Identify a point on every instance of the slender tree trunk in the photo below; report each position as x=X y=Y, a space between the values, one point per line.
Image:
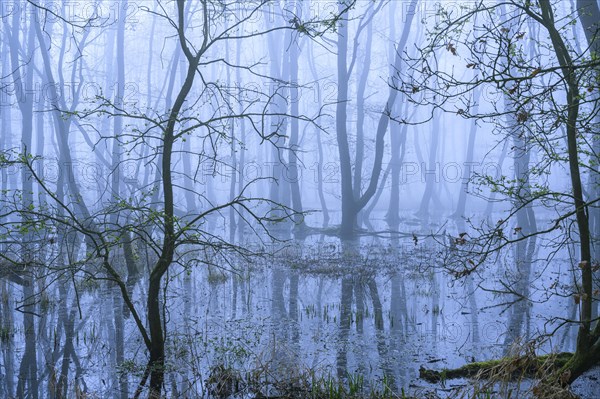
x=360 y=114
x=293 y=174
x=280 y=70
x=242 y=149
x=157 y=337
x=348 y=204
x=6 y=287
x=588 y=347
x=467 y=166
x=589 y=16
x=116 y=194
x=431 y=172
x=28 y=369
x=321 y=159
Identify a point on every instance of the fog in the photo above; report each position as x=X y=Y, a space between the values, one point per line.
x=250 y=199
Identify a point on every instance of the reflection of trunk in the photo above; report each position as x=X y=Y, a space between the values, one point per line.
x=345 y=322
x=473 y=308
x=382 y=344
x=118 y=306
x=359 y=294
x=435 y=309
x=28 y=378
x=398 y=310
x=398 y=313
x=8 y=347
x=377 y=307
x=294 y=297
x=285 y=321
x=68 y=350
x=293 y=307
x=277 y=302
x=523 y=253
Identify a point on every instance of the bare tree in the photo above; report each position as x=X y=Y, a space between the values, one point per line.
x=352 y=204
x=534 y=117
x=98 y=239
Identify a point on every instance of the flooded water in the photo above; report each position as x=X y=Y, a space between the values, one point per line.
x=377 y=308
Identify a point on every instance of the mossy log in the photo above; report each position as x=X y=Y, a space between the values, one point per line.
x=514 y=366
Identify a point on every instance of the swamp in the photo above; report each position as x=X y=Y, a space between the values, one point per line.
x=299 y=199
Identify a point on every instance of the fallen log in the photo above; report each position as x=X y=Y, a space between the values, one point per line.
x=513 y=367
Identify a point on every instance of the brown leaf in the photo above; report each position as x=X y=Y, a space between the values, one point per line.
x=450 y=47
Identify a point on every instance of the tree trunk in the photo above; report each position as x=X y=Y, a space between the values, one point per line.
x=360 y=114
x=157 y=335
x=349 y=211
x=28 y=378
x=321 y=159
x=587 y=347
x=589 y=16
x=351 y=206
x=431 y=172
x=464 y=187
x=293 y=175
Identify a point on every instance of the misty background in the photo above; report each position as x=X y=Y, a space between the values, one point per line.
x=223 y=198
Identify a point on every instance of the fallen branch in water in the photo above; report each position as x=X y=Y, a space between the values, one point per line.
x=512 y=367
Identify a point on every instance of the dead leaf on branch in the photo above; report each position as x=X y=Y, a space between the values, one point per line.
x=450 y=47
